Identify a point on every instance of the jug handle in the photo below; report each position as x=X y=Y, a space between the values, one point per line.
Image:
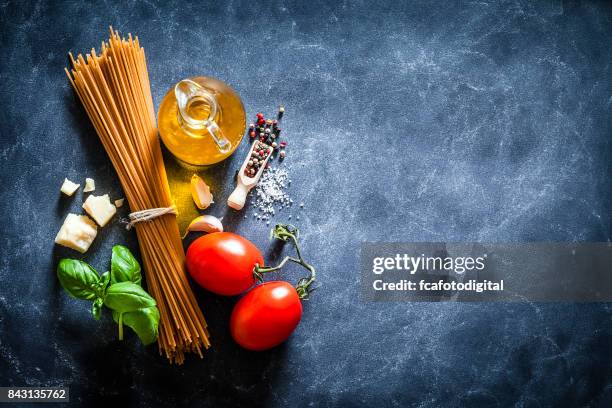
x=222 y=142
x=187 y=89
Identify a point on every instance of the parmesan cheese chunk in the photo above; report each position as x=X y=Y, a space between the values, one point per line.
x=68 y=187
x=119 y=202
x=99 y=208
x=90 y=185
x=77 y=232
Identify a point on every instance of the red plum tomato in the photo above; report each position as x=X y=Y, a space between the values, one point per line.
x=223 y=262
x=266 y=315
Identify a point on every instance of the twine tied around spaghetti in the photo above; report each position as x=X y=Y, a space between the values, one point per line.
x=148 y=215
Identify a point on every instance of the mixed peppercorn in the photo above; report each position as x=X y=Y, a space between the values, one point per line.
x=258 y=156
x=266 y=134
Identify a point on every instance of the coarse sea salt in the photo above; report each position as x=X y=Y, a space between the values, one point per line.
x=270 y=193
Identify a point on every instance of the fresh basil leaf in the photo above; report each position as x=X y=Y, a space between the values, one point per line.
x=126 y=297
x=96 y=308
x=144 y=322
x=78 y=278
x=105 y=278
x=102 y=285
x=124 y=267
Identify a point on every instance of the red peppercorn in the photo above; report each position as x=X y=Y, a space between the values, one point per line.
x=261 y=139
x=252 y=135
x=261 y=121
x=260 y=115
x=283 y=144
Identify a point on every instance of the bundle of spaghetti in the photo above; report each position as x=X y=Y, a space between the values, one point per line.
x=114 y=88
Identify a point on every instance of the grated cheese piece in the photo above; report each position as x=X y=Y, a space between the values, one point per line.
x=77 y=232
x=99 y=208
x=68 y=187
x=90 y=185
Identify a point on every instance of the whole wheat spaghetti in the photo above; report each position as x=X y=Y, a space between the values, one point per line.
x=115 y=91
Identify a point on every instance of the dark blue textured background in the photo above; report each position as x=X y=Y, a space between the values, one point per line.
x=408 y=121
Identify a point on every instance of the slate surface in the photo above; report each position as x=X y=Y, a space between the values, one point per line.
x=421 y=121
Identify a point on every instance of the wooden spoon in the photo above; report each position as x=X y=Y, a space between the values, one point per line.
x=245 y=183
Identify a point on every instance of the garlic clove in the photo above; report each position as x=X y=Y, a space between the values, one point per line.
x=205 y=223
x=200 y=193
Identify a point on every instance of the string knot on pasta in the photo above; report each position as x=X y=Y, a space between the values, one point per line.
x=148 y=215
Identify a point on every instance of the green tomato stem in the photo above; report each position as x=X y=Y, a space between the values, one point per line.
x=285 y=233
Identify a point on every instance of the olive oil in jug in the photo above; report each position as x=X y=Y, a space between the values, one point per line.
x=201 y=121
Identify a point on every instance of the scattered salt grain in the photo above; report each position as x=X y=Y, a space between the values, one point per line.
x=270 y=193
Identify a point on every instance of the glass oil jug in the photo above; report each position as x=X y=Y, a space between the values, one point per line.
x=201 y=121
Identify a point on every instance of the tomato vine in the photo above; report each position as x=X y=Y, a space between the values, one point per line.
x=286 y=233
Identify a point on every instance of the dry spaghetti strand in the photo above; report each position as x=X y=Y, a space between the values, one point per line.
x=113 y=86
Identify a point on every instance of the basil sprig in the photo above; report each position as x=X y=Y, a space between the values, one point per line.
x=126 y=297
x=143 y=321
x=79 y=279
x=120 y=290
x=124 y=267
